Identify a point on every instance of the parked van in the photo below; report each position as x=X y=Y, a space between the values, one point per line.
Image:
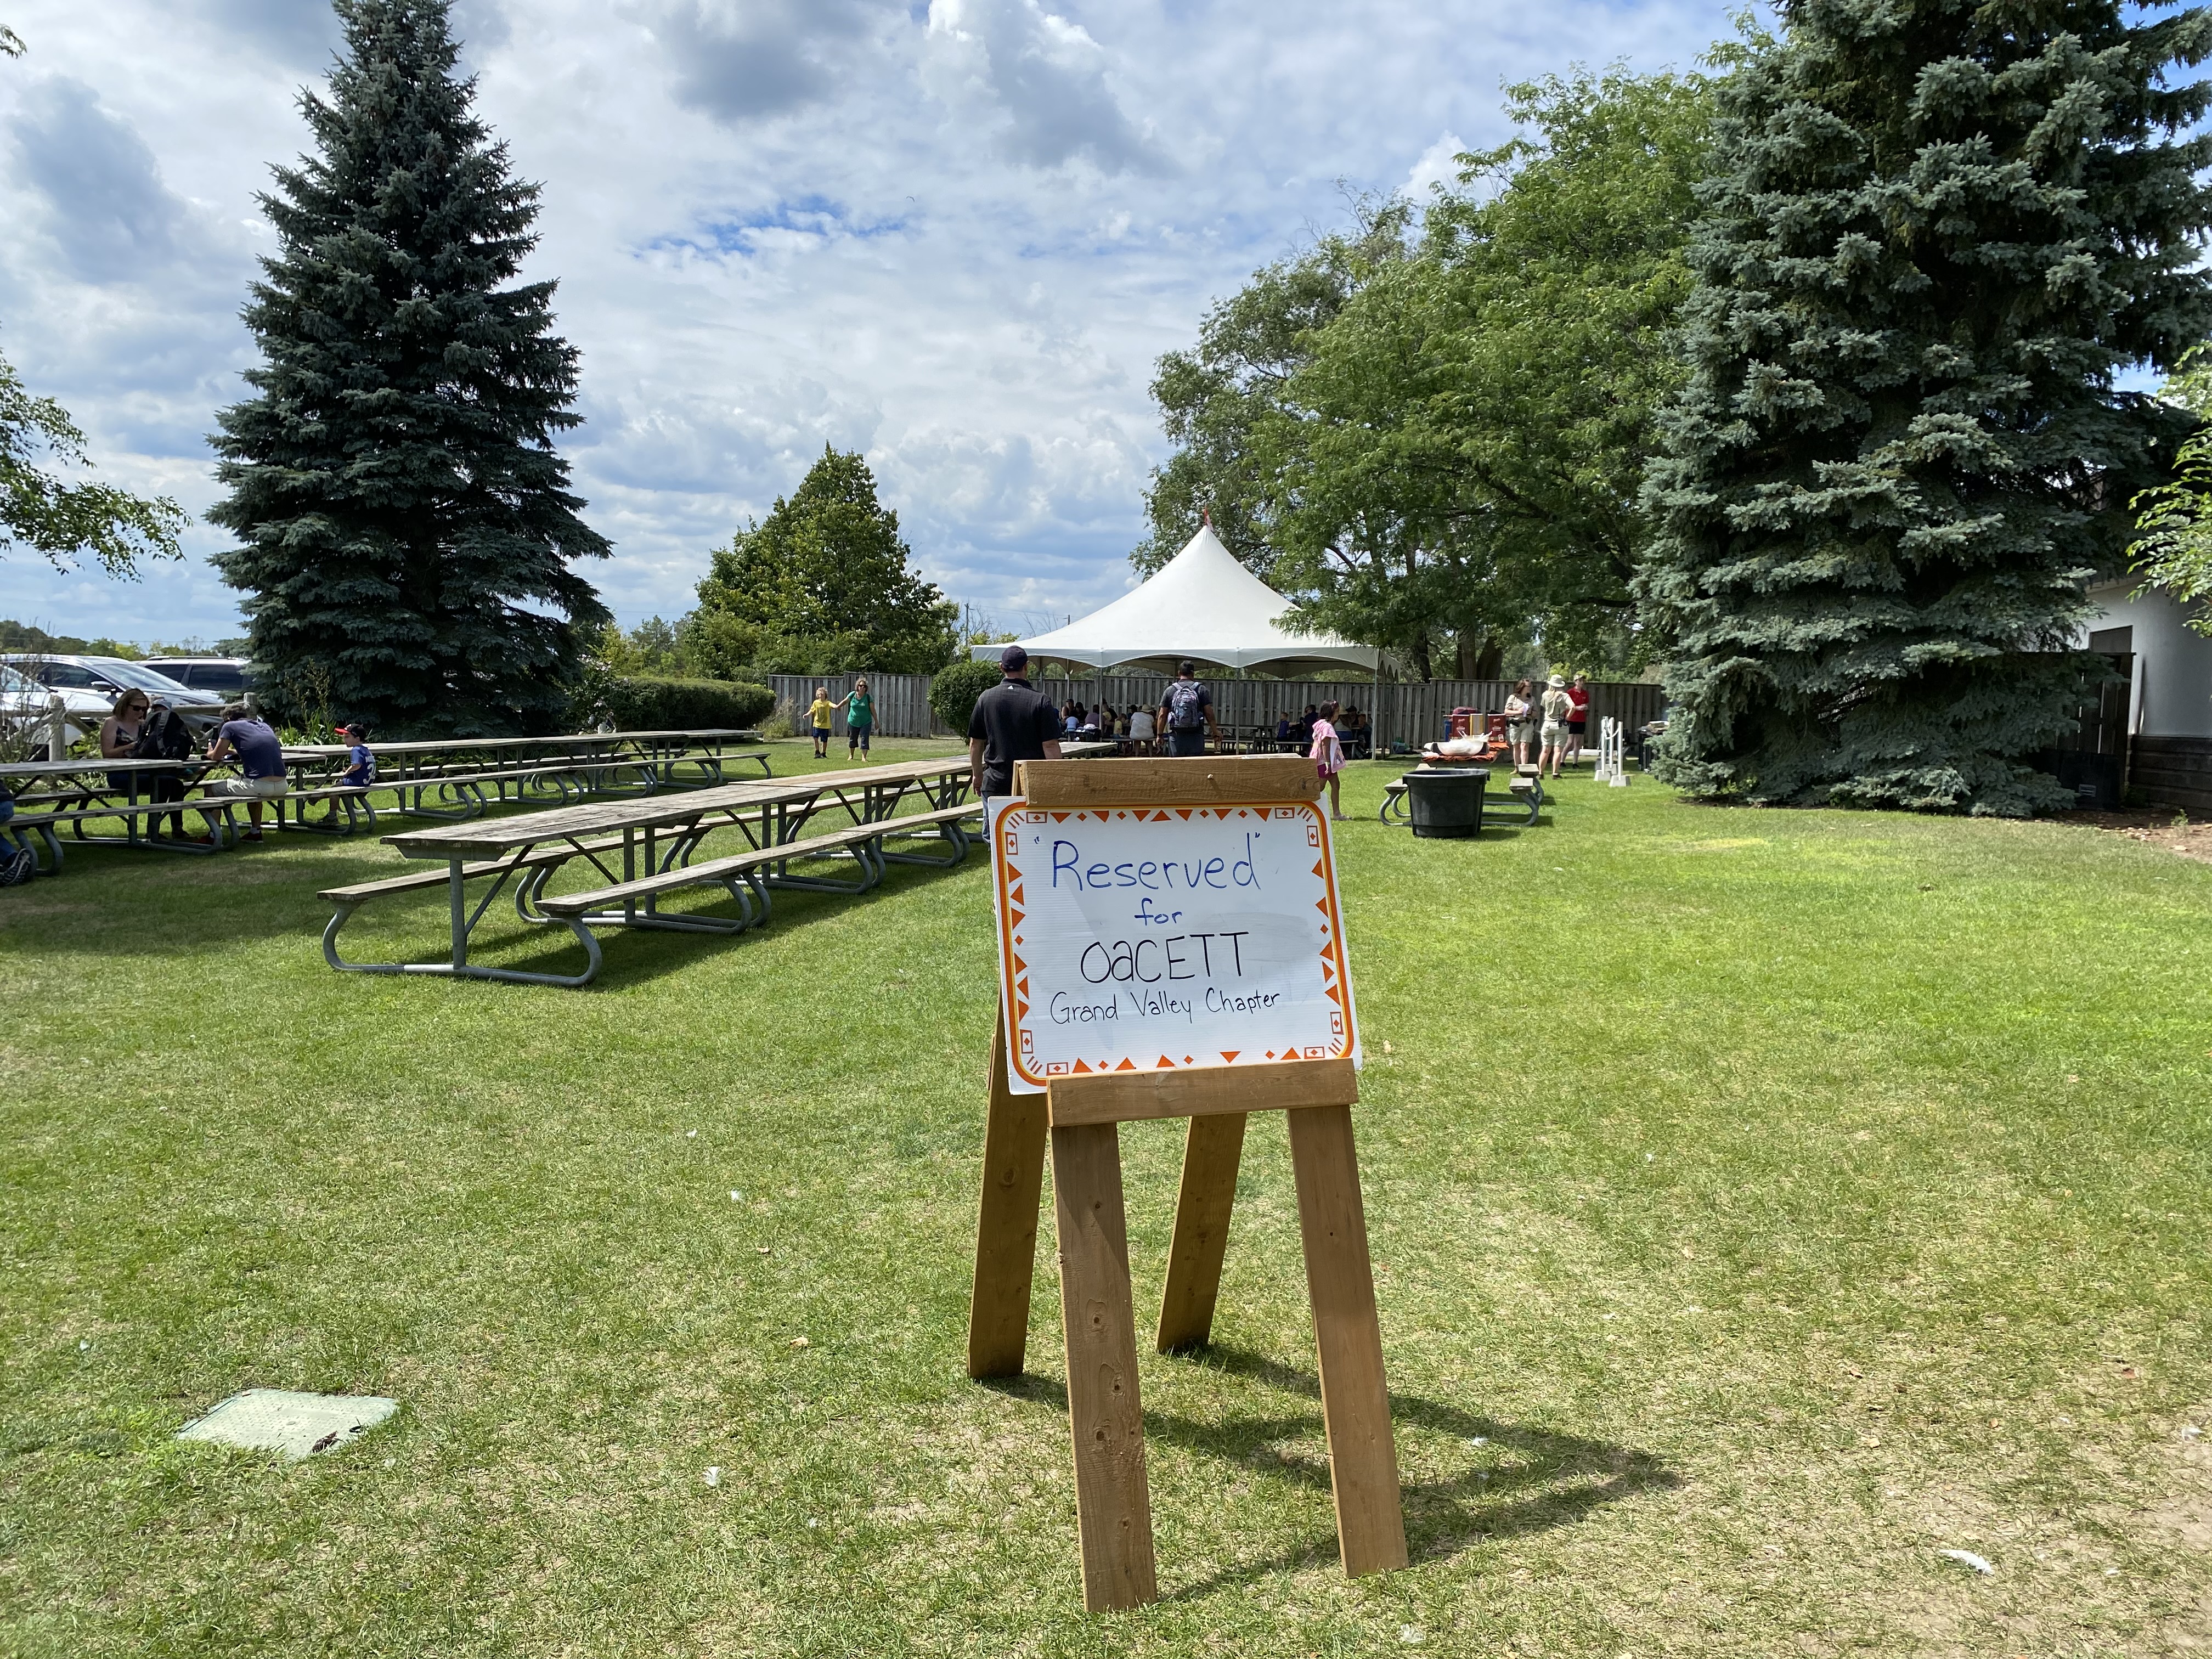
x=228 y=677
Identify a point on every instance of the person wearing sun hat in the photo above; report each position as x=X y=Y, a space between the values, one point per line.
x=1558 y=709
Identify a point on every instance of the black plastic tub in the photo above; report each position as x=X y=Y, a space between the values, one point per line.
x=1446 y=801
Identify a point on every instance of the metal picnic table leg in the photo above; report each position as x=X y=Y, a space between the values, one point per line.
x=460 y=915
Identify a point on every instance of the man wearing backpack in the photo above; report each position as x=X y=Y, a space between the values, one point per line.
x=1187 y=712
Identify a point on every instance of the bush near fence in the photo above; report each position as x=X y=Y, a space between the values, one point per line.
x=648 y=703
x=1411 y=713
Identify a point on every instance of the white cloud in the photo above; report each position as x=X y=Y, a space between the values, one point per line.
x=1438 y=166
x=1045 y=75
x=957 y=237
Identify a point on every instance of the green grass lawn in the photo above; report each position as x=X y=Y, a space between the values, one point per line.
x=1762 y=1203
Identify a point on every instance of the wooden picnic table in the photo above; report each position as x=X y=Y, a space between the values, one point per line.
x=655 y=833
x=72 y=793
x=76 y=791
x=457 y=768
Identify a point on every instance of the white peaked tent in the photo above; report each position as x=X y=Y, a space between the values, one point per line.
x=1202 y=605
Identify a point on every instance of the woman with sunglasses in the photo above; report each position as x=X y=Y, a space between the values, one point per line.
x=118 y=736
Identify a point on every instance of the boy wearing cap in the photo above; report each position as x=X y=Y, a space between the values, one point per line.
x=1013 y=721
x=361 y=764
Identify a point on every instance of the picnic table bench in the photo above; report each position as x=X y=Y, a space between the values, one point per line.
x=656 y=838
x=458 y=771
x=1525 y=791
x=435 y=778
x=67 y=794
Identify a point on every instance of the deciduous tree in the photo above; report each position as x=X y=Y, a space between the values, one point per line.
x=827 y=584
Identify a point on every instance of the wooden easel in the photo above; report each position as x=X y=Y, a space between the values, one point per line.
x=1079 y=1116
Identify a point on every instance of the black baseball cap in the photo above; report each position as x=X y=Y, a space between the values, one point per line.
x=1013 y=657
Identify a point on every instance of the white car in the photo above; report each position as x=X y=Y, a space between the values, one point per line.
x=106 y=677
x=24 y=707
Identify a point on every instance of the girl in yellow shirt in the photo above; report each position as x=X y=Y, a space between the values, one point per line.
x=820 y=715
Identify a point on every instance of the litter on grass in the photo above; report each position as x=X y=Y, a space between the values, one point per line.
x=713 y=1474
x=1968 y=1558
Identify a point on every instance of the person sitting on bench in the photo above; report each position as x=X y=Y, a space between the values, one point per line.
x=360 y=764
x=260 y=756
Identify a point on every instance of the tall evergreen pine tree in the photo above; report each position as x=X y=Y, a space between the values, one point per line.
x=1935 y=230
x=405 y=520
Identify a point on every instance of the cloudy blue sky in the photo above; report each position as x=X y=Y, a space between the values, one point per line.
x=954 y=235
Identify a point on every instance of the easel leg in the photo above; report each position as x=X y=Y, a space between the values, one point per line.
x=1113 y=1502
x=1371 y=1526
x=1007 y=1226
x=1210 y=1156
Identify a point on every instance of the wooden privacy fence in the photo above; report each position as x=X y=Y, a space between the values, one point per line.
x=902 y=702
x=1410 y=713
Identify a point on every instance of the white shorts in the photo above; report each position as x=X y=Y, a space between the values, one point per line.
x=257 y=788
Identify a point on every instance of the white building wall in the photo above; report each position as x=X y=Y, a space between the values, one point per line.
x=2173 y=663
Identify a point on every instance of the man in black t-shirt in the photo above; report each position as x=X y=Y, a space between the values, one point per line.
x=1012 y=722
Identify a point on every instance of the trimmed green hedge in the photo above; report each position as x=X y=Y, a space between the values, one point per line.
x=953 y=690
x=646 y=703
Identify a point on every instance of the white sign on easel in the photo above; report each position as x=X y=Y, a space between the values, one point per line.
x=1160 y=938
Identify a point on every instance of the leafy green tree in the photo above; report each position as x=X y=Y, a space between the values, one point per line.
x=2176 y=552
x=1213 y=397
x=63 y=520
x=827 y=584
x=1934 y=233
x=1436 y=443
x=717 y=646
x=405 y=520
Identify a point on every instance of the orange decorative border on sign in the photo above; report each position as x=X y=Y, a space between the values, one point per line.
x=1007 y=879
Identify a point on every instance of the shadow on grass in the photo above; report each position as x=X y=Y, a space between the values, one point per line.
x=122 y=902
x=1552 y=1480
x=633 y=957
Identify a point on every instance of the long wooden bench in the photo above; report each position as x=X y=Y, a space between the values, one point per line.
x=465 y=789
x=747 y=878
x=215 y=811
x=534 y=867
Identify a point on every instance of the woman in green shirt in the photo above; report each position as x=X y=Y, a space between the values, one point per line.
x=859 y=718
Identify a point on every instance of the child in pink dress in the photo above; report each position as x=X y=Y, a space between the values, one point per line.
x=1328 y=756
